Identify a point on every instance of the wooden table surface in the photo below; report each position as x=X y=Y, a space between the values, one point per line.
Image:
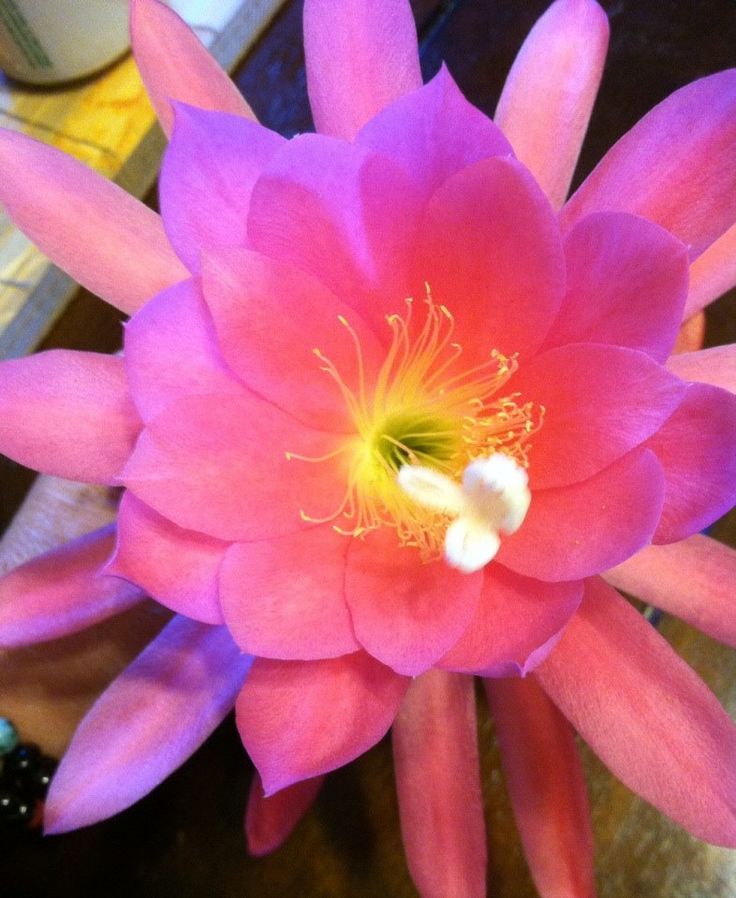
x=185 y=840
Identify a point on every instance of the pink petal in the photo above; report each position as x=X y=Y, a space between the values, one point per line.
x=147 y=723
x=285 y=598
x=546 y=783
x=516 y=625
x=470 y=258
x=62 y=591
x=575 y=531
x=646 y=713
x=360 y=55
x=270 y=821
x=435 y=744
x=692 y=579
x=626 y=283
x=716 y=366
x=67 y=413
x=179 y=568
x=175 y=66
x=696 y=449
x=207 y=178
x=405 y=612
x=600 y=402
x=299 y=719
x=103 y=237
x=433 y=133
x=549 y=93
x=675 y=167
x=219 y=464
x=270 y=317
x=712 y=273
x=173 y=327
x=342 y=213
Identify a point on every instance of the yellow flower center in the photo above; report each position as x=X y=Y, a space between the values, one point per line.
x=422 y=410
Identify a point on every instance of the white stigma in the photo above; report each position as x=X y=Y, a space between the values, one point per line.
x=493 y=498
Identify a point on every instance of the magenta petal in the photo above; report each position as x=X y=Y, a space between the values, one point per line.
x=696 y=448
x=175 y=66
x=549 y=93
x=626 y=284
x=67 y=413
x=270 y=821
x=103 y=237
x=270 y=318
x=600 y=402
x=147 y=723
x=299 y=719
x=516 y=625
x=62 y=591
x=716 y=366
x=177 y=567
x=207 y=178
x=583 y=529
x=712 y=273
x=220 y=464
x=435 y=744
x=646 y=714
x=692 y=579
x=342 y=213
x=284 y=598
x=360 y=55
x=405 y=612
x=174 y=326
x=693 y=194
x=546 y=783
x=470 y=258
x=433 y=133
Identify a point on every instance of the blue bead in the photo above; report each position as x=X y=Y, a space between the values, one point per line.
x=8 y=736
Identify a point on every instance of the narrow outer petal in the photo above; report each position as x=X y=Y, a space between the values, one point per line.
x=62 y=591
x=67 y=413
x=207 y=177
x=405 y=612
x=360 y=55
x=270 y=821
x=716 y=366
x=546 y=783
x=516 y=625
x=435 y=744
x=712 y=273
x=693 y=579
x=175 y=66
x=179 y=568
x=548 y=96
x=299 y=719
x=103 y=237
x=285 y=598
x=125 y=746
x=646 y=714
x=675 y=167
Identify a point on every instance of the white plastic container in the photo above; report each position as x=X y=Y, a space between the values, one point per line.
x=48 y=41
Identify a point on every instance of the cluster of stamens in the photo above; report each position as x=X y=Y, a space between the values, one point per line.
x=422 y=410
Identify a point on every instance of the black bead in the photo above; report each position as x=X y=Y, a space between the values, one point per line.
x=15 y=811
x=45 y=769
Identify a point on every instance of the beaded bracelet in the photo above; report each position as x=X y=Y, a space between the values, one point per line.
x=25 y=774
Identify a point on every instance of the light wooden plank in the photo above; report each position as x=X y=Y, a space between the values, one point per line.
x=107 y=123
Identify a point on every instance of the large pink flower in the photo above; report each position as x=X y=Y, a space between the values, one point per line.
x=385 y=410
